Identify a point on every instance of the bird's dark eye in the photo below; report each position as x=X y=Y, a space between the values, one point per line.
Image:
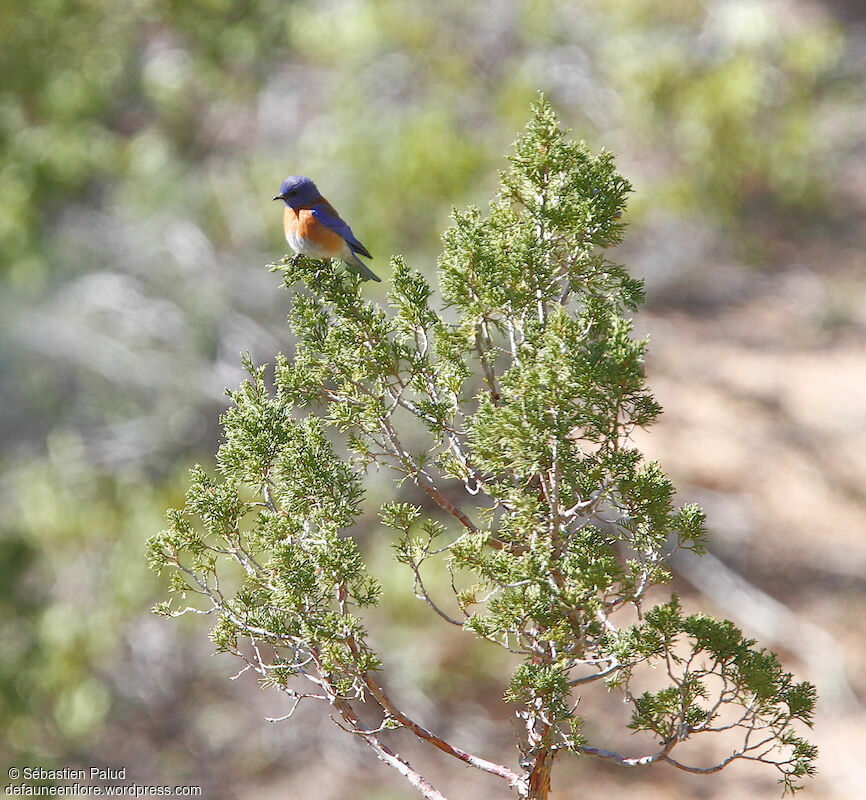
x=292 y=193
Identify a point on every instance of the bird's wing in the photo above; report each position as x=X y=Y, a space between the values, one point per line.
x=325 y=213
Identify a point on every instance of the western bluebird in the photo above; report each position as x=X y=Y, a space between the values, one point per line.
x=313 y=228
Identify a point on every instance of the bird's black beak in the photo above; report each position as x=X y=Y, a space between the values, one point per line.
x=278 y=197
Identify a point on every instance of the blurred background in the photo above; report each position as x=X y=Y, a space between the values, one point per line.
x=140 y=146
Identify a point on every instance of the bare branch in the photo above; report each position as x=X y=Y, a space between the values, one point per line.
x=627 y=761
x=482 y=764
x=387 y=755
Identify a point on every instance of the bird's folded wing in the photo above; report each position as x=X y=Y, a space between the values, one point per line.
x=337 y=225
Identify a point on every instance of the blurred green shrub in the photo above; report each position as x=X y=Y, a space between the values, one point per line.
x=181 y=107
x=72 y=589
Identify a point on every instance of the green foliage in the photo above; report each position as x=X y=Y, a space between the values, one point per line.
x=717 y=669
x=550 y=520
x=300 y=575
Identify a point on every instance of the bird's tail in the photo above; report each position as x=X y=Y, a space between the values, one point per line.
x=366 y=273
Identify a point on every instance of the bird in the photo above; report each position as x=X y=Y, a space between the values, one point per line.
x=313 y=227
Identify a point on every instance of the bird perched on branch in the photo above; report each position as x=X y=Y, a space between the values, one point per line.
x=313 y=227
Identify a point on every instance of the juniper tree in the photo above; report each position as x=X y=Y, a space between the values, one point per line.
x=554 y=528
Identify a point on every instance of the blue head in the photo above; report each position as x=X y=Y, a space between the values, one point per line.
x=297 y=191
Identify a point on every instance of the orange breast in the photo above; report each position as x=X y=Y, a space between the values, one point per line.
x=305 y=234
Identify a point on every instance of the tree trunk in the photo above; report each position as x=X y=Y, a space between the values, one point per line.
x=539 y=778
